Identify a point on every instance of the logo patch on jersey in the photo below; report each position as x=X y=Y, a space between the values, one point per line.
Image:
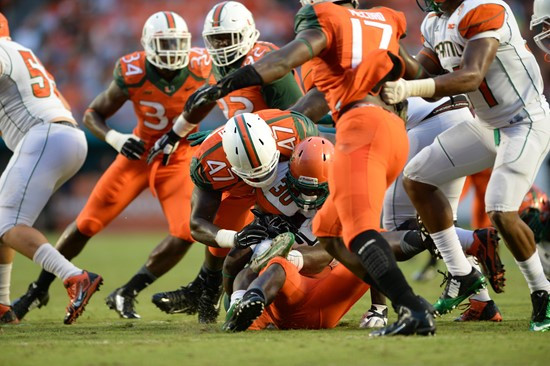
x=169 y=89
x=451 y=26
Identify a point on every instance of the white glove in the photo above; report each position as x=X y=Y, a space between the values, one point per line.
x=394 y=92
x=128 y=145
x=375 y=317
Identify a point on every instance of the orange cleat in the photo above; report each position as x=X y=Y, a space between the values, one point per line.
x=480 y=310
x=80 y=288
x=485 y=249
x=7 y=316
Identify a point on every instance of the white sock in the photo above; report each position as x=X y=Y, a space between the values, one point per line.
x=54 y=262
x=448 y=245
x=466 y=238
x=236 y=295
x=483 y=294
x=534 y=274
x=5 y=279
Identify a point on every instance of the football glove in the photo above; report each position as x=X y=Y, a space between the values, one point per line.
x=198 y=137
x=128 y=145
x=250 y=235
x=167 y=144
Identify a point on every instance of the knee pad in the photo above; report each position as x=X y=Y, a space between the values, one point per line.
x=374 y=252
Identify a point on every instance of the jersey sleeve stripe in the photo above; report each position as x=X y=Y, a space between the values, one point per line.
x=483 y=18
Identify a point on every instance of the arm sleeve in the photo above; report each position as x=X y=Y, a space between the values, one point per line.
x=282 y=93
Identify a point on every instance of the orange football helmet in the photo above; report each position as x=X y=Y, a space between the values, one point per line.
x=4 y=28
x=307 y=176
x=535 y=211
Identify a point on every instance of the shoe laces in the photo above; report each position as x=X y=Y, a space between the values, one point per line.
x=446 y=277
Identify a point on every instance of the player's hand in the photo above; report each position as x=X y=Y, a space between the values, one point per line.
x=198 y=137
x=251 y=235
x=203 y=96
x=128 y=145
x=276 y=225
x=167 y=144
x=394 y=92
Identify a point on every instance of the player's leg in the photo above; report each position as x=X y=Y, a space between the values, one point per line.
x=173 y=190
x=7 y=315
x=117 y=187
x=462 y=150
x=45 y=159
x=521 y=150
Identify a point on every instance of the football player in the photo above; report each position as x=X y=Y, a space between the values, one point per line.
x=478 y=42
x=348 y=42
x=157 y=81
x=221 y=200
x=48 y=148
x=541 y=19
x=231 y=39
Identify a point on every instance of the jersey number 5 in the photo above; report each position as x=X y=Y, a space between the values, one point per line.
x=41 y=86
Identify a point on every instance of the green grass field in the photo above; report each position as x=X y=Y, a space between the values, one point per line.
x=100 y=337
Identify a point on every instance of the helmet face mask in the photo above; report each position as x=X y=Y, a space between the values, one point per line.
x=229 y=32
x=540 y=21
x=251 y=149
x=307 y=176
x=166 y=41
x=430 y=5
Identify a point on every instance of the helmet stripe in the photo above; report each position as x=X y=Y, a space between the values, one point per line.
x=170 y=19
x=217 y=14
x=246 y=138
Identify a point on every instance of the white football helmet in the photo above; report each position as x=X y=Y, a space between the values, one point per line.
x=251 y=149
x=311 y=2
x=166 y=40
x=229 y=32
x=541 y=15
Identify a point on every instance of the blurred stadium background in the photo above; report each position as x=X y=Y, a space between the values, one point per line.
x=79 y=42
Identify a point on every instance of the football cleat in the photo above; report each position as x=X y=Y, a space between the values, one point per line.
x=184 y=300
x=540 y=319
x=480 y=310
x=208 y=306
x=229 y=324
x=246 y=311
x=122 y=303
x=80 y=288
x=280 y=247
x=375 y=317
x=7 y=315
x=409 y=323
x=458 y=289
x=485 y=249
x=33 y=298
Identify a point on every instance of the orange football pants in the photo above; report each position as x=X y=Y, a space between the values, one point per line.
x=479 y=183
x=125 y=179
x=371 y=151
x=233 y=214
x=311 y=302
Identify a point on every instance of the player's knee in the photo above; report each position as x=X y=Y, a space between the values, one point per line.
x=503 y=220
x=89 y=226
x=374 y=252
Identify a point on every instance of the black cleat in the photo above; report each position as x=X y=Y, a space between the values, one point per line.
x=33 y=298
x=409 y=323
x=458 y=289
x=122 y=303
x=249 y=309
x=184 y=300
x=208 y=307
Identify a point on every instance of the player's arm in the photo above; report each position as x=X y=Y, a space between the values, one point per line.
x=273 y=66
x=413 y=68
x=312 y=105
x=104 y=106
x=204 y=206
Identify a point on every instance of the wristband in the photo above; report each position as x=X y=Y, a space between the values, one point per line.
x=422 y=88
x=182 y=127
x=226 y=238
x=115 y=139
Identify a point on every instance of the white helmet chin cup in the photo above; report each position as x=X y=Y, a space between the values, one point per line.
x=234 y=23
x=251 y=149
x=166 y=40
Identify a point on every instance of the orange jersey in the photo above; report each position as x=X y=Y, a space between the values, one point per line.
x=280 y=94
x=352 y=36
x=157 y=102
x=210 y=168
x=306 y=75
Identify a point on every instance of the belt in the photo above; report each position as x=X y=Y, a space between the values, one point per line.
x=453 y=103
x=66 y=123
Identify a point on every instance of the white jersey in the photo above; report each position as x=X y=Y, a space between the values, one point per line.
x=512 y=89
x=418 y=109
x=27 y=93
